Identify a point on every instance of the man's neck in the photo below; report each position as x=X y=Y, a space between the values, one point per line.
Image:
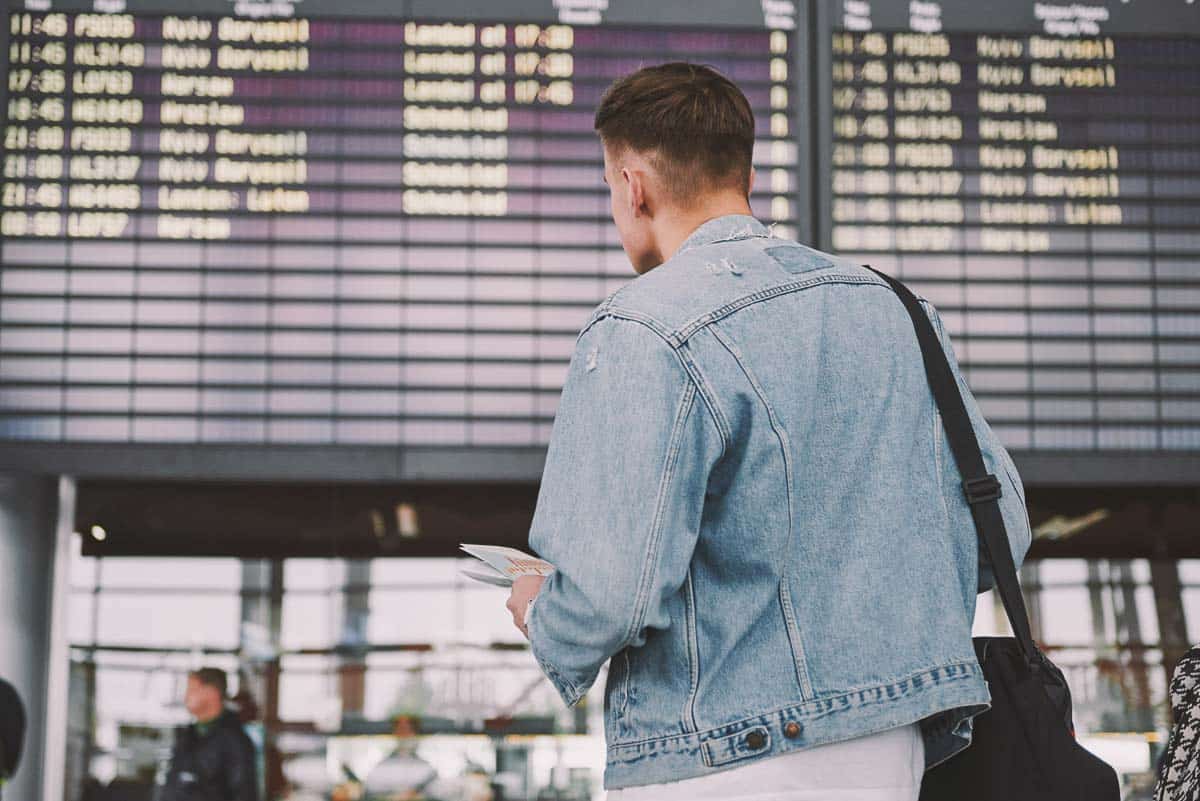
x=678 y=226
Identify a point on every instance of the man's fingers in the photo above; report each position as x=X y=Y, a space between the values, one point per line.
x=517 y=603
x=520 y=625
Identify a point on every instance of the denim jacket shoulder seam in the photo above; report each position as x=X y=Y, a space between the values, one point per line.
x=622 y=313
x=688 y=329
x=686 y=363
x=597 y=314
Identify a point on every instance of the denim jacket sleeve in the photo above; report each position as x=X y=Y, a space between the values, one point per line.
x=619 y=507
x=998 y=462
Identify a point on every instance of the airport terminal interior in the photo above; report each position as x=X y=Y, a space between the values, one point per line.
x=288 y=292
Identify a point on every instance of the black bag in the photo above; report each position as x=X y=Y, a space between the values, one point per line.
x=12 y=730
x=1024 y=747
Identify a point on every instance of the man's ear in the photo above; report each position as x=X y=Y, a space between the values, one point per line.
x=750 y=188
x=636 y=198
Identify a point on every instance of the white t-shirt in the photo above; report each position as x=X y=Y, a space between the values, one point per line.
x=887 y=766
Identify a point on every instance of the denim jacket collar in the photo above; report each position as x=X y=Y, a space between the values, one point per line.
x=727 y=227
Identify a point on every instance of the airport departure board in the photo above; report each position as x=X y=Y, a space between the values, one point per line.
x=373 y=224
x=259 y=222
x=1034 y=170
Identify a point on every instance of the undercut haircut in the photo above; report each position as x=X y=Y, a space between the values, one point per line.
x=694 y=126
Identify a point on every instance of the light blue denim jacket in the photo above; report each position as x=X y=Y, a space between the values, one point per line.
x=752 y=509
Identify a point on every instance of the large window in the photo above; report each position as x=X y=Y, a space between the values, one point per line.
x=331 y=653
x=336 y=655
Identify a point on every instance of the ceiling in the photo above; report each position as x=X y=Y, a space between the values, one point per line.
x=423 y=519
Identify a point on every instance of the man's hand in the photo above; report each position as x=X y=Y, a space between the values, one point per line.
x=524 y=590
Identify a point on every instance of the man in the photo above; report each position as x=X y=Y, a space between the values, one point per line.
x=213 y=758
x=12 y=731
x=748 y=496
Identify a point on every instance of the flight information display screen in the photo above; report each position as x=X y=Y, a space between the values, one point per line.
x=365 y=224
x=259 y=223
x=1034 y=170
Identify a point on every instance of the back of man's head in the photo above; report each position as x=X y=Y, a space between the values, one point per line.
x=692 y=123
x=12 y=729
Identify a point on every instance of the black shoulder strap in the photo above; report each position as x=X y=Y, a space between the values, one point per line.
x=981 y=487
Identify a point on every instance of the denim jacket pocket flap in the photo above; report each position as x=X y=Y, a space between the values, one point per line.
x=739 y=745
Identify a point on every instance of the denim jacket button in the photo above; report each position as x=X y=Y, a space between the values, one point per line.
x=756 y=740
x=791 y=730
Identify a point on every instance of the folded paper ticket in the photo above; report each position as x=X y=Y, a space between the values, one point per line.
x=502 y=565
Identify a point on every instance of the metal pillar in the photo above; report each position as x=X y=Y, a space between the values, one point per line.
x=352 y=662
x=28 y=531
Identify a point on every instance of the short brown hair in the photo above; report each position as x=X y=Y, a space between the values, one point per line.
x=693 y=122
x=213 y=677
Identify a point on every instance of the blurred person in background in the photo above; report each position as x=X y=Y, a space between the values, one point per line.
x=748 y=496
x=1178 y=769
x=213 y=758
